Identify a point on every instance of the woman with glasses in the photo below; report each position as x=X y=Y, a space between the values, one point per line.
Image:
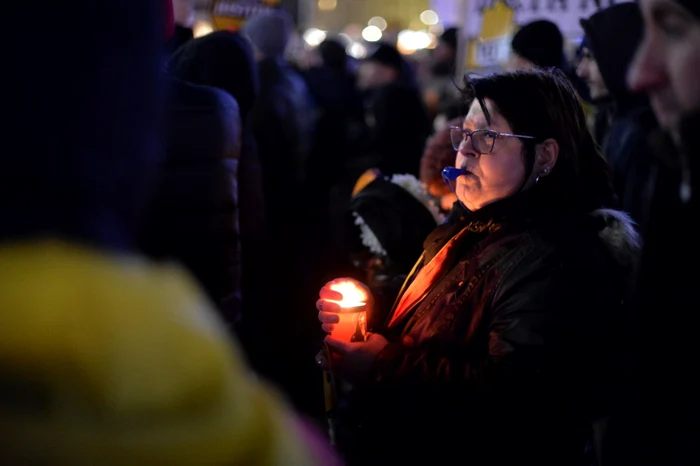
x=500 y=347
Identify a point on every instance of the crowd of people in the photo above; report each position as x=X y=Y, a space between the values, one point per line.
x=181 y=201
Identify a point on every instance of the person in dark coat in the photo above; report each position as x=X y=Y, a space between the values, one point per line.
x=612 y=37
x=334 y=88
x=193 y=217
x=224 y=60
x=283 y=118
x=395 y=114
x=284 y=125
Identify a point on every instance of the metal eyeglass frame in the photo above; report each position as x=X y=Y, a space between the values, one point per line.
x=464 y=134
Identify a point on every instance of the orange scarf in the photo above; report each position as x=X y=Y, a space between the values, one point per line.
x=420 y=286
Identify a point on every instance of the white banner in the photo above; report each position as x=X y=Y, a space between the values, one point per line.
x=230 y=14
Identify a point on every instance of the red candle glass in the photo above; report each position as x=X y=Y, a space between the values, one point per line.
x=353 y=312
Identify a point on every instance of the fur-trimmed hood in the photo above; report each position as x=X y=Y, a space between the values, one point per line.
x=619 y=234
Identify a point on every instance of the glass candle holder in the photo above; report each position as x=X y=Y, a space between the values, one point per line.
x=352 y=325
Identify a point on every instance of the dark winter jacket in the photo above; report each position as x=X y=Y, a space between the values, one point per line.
x=193 y=217
x=511 y=354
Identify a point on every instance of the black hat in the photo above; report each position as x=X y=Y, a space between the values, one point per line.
x=541 y=42
x=398 y=220
x=613 y=35
x=221 y=59
x=388 y=55
x=449 y=37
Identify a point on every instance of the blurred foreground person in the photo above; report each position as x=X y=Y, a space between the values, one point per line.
x=663 y=420
x=106 y=359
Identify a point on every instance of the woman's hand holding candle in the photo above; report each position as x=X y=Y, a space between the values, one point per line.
x=342 y=296
x=343 y=304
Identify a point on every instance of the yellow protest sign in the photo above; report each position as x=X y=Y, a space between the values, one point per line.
x=492 y=46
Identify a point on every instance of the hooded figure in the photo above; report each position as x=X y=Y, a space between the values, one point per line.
x=612 y=37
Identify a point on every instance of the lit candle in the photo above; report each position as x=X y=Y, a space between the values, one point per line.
x=353 y=312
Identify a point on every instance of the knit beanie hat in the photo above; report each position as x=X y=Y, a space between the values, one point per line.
x=541 y=42
x=269 y=32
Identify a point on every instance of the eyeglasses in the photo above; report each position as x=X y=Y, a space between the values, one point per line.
x=482 y=140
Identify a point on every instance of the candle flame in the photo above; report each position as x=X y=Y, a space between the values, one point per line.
x=353 y=295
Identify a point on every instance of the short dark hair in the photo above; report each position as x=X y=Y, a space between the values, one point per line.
x=543 y=104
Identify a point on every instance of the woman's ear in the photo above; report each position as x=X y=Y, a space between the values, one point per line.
x=547 y=154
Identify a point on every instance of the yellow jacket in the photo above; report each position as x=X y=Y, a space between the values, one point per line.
x=108 y=360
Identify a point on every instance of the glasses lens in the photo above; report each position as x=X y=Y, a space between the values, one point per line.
x=483 y=140
x=456 y=136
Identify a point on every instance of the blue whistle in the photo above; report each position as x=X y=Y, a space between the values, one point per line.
x=452 y=173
